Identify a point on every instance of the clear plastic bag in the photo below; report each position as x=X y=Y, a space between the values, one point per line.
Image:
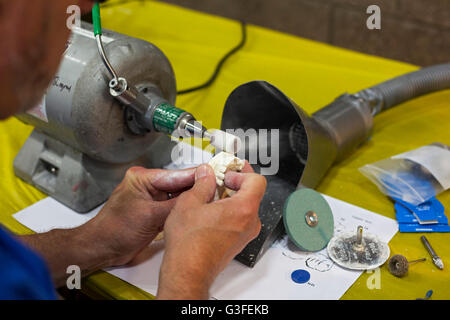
x=414 y=176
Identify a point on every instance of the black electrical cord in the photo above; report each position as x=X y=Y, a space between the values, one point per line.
x=219 y=65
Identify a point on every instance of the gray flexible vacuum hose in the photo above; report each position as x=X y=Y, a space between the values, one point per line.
x=409 y=86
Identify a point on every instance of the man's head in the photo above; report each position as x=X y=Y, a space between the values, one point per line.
x=34 y=35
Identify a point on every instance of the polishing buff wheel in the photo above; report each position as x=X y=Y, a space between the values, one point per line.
x=356 y=251
x=398 y=265
x=308 y=220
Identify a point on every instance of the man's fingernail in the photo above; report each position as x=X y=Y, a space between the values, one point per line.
x=201 y=172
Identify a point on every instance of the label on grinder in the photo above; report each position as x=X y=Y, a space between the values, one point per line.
x=165 y=118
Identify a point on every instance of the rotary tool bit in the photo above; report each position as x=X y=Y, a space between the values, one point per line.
x=398 y=265
x=436 y=259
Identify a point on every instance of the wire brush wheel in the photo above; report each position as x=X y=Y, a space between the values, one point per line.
x=398 y=265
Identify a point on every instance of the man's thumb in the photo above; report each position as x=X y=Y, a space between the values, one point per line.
x=204 y=187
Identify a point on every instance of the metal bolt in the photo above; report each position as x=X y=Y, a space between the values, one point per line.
x=358 y=245
x=359 y=235
x=113 y=83
x=118 y=85
x=311 y=219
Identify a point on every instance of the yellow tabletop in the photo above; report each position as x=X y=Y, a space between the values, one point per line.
x=310 y=73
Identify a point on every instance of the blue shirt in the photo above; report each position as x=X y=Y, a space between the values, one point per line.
x=23 y=274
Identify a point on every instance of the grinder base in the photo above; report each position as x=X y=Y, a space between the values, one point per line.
x=71 y=177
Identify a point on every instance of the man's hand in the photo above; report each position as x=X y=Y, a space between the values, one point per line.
x=129 y=221
x=202 y=236
x=137 y=210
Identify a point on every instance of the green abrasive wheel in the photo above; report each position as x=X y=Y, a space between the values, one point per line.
x=308 y=220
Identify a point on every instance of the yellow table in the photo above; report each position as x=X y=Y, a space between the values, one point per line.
x=312 y=74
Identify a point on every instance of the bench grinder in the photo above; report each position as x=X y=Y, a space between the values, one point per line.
x=93 y=125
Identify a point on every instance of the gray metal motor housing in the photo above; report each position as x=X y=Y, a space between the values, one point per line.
x=81 y=145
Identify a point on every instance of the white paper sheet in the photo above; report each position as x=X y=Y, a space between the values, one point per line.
x=269 y=279
x=49 y=214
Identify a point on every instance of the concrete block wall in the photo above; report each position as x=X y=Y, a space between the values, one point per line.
x=414 y=31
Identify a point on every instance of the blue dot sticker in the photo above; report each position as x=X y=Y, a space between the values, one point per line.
x=300 y=276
